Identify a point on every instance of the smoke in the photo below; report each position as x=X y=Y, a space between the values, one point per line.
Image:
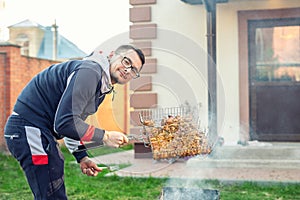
x=189 y=189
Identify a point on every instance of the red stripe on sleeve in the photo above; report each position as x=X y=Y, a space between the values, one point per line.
x=88 y=134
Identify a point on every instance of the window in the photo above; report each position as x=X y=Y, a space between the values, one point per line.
x=277 y=50
x=23 y=41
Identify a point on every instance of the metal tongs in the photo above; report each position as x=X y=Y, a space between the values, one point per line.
x=93 y=145
x=146 y=143
x=110 y=168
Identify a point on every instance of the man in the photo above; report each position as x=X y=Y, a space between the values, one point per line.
x=55 y=105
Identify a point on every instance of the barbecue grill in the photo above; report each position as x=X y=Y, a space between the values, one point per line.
x=178 y=193
x=174 y=132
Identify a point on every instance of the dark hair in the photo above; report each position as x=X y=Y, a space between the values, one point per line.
x=124 y=48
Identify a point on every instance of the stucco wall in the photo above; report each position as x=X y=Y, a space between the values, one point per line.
x=184 y=22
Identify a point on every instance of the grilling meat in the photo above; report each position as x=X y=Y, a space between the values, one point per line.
x=177 y=137
x=148 y=123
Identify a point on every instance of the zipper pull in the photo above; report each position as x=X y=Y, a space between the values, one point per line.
x=113 y=95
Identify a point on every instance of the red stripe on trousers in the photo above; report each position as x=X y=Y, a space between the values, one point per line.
x=40 y=159
x=88 y=134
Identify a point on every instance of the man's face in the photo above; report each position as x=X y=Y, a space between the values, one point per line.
x=124 y=67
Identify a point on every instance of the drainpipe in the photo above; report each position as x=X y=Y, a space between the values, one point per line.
x=210 y=6
x=54 y=50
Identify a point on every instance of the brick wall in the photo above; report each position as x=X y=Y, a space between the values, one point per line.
x=15 y=72
x=3 y=104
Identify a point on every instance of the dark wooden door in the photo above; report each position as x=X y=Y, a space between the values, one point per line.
x=274 y=77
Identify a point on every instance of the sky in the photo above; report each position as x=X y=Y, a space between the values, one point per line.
x=86 y=23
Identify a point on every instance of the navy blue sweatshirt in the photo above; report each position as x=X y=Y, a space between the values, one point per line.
x=61 y=97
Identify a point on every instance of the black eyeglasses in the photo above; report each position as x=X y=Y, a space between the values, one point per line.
x=133 y=71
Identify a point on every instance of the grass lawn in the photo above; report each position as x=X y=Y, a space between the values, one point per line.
x=14 y=186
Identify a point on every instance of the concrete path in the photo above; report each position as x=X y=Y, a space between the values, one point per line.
x=146 y=167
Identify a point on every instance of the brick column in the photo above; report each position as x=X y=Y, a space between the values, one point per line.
x=142 y=31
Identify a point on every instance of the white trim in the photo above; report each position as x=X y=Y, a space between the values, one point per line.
x=71 y=144
x=34 y=140
x=68 y=82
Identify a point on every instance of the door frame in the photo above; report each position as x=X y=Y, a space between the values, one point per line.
x=243 y=17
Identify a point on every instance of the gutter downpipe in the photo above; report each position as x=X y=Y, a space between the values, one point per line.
x=210 y=6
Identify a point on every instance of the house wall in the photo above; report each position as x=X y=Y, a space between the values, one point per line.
x=185 y=23
x=35 y=36
x=113 y=114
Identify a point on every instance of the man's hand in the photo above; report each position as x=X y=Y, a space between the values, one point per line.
x=88 y=167
x=114 y=139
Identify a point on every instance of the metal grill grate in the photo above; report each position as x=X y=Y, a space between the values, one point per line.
x=171 y=193
x=157 y=114
x=174 y=132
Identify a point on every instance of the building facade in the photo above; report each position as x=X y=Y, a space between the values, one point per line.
x=257 y=64
x=43 y=41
